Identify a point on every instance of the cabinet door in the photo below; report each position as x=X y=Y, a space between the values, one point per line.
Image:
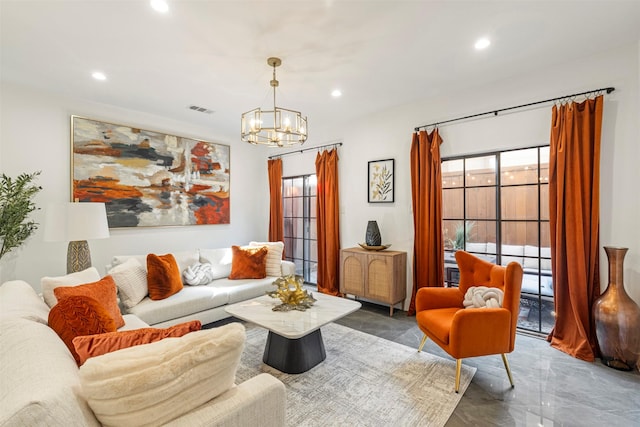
x=380 y=277
x=352 y=274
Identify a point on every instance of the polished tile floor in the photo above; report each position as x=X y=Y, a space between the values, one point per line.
x=551 y=388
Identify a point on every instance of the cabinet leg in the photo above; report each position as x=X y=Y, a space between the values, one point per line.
x=391 y=311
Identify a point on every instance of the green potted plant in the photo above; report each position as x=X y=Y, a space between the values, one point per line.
x=16 y=203
x=463 y=233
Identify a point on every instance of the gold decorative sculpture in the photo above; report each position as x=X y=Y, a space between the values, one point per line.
x=291 y=294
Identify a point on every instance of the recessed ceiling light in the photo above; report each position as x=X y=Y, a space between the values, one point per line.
x=159 y=6
x=98 y=75
x=482 y=43
x=336 y=93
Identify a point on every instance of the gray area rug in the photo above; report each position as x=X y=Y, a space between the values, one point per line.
x=364 y=381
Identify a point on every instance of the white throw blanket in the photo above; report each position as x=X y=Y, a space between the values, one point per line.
x=483 y=296
x=198 y=274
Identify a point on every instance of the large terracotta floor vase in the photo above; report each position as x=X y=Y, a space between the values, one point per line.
x=617 y=318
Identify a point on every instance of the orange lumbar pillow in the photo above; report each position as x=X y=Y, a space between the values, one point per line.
x=96 y=345
x=75 y=316
x=248 y=262
x=104 y=291
x=163 y=276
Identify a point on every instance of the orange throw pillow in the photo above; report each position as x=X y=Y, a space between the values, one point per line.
x=104 y=291
x=96 y=345
x=163 y=276
x=79 y=315
x=248 y=262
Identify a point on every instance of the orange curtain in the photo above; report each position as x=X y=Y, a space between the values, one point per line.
x=574 y=199
x=276 y=217
x=328 y=221
x=426 y=194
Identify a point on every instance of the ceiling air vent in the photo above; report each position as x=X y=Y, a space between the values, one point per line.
x=200 y=109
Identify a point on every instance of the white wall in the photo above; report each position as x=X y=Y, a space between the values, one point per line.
x=35 y=135
x=388 y=135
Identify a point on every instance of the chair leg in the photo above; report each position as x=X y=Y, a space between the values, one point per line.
x=506 y=366
x=458 y=368
x=424 y=340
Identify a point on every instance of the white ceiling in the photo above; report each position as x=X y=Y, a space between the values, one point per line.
x=213 y=53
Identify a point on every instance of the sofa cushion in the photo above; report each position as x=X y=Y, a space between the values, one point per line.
x=220 y=260
x=249 y=262
x=154 y=383
x=103 y=291
x=19 y=299
x=131 y=280
x=532 y=283
x=186 y=258
x=476 y=247
x=183 y=258
x=131 y=322
x=512 y=253
x=95 y=345
x=274 y=257
x=163 y=276
x=532 y=251
x=190 y=300
x=78 y=278
x=79 y=315
x=243 y=289
x=121 y=259
x=39 y=382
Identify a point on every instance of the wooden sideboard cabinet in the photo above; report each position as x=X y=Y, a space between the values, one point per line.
x=376 y=275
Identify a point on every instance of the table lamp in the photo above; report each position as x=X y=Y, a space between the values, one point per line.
x=76 y=223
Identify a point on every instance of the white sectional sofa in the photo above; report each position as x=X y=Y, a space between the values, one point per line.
x=41 y=384
x=527 y=257
x=203 y=302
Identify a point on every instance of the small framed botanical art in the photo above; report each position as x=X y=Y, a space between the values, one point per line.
x=148 y=178
x=381 y=181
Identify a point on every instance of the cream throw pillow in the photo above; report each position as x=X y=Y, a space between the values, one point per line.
x=131 y=280
x=483 y=296
x=48 y=284
x=152 y=384
x=274 y=257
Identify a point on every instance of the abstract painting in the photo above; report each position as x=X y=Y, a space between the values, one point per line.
x=381 y=181
x=147 y=178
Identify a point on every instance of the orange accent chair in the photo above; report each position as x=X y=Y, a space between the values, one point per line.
x=472 y=332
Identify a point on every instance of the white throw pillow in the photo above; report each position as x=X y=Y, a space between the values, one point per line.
x=220 y=260
x=48 y=284
x=274 y=257
x=131 y=280
x=152 y=384
x=198 y=274
x=483 y=296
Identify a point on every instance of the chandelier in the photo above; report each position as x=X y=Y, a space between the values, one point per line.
x=279 y=127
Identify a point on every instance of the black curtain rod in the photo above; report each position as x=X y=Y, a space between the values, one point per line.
x=495 y=112
x=335 y=144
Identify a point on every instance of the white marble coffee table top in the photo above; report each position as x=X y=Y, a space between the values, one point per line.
x=293 y=324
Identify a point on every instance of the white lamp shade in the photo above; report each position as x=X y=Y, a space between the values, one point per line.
x=68 y=222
